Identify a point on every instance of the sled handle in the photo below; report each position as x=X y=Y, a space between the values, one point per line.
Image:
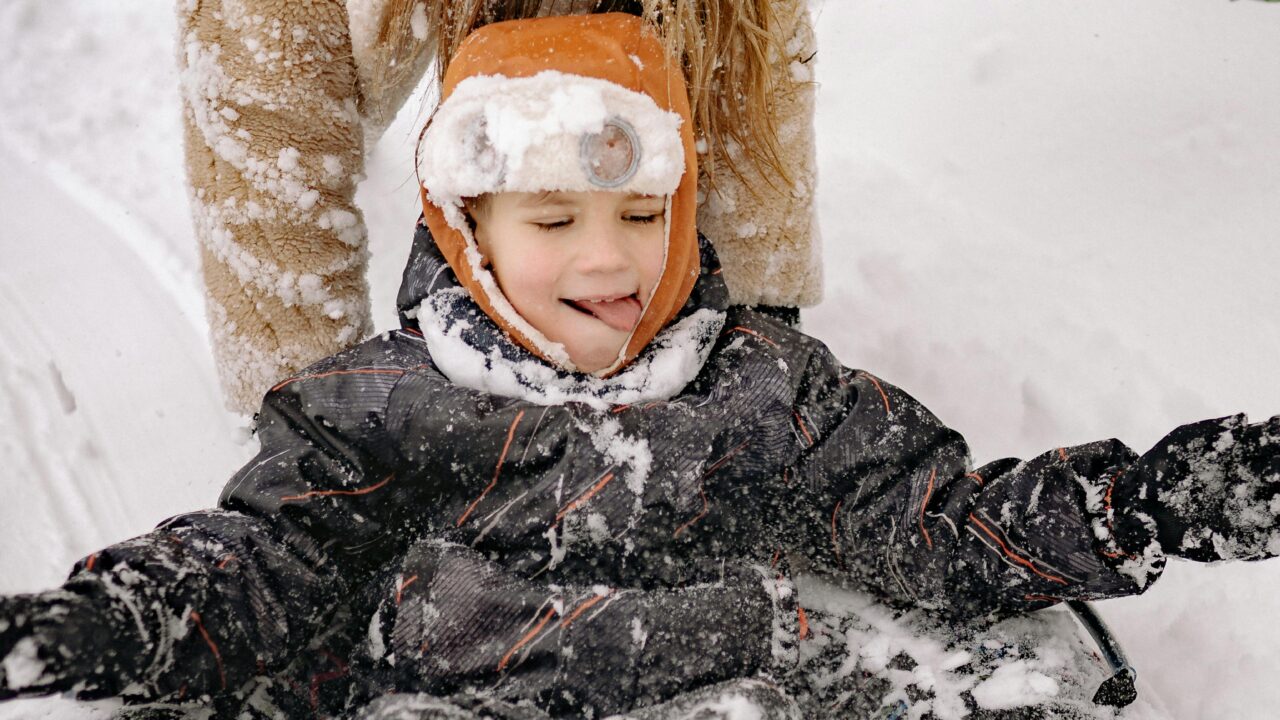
x=1121 y=688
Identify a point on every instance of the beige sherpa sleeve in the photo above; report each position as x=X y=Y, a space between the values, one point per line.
x=273 y=150
x=765 y=228
x=279 y=98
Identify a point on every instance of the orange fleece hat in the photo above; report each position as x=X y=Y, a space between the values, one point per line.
x=583 y=102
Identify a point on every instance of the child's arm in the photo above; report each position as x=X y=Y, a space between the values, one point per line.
x=453 y=618
x=195 y=607
x=211 y=598
x=907 y=514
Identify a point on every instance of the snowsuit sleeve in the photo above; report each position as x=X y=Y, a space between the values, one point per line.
x=217 y=596
x=901 y=509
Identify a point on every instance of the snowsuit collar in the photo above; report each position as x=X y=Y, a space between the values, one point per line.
x=469 y=348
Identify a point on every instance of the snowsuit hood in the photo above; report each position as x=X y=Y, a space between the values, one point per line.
x=575 y=103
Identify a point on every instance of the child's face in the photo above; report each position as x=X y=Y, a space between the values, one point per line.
x=578 y=266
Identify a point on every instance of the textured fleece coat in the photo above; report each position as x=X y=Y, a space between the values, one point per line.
x=279 y=101
x=527 y=550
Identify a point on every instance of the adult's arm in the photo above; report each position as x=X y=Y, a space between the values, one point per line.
x=273 y=153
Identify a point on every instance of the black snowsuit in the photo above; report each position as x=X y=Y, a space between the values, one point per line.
x=585 y=559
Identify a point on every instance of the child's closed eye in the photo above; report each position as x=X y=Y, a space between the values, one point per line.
x=553 y=224
x=643 y=218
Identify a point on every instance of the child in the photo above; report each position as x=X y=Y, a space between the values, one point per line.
x=572 y=482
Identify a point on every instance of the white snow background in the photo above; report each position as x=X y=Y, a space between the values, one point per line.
x=1051 y=222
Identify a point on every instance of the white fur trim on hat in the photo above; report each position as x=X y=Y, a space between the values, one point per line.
x=502 y=134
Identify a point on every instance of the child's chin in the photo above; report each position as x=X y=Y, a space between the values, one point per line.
x=592 y=357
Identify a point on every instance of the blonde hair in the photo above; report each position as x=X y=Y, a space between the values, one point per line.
x=726 y=48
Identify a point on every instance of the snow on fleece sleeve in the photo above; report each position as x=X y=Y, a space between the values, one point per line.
x=273 y=151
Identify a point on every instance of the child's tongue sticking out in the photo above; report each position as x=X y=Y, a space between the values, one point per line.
x=618 y=313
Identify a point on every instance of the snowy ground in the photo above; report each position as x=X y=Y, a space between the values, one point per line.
x=1052 y=223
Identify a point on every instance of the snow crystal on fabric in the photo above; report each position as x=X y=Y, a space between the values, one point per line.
x=22 y=666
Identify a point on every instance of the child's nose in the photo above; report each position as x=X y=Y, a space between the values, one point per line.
x=605 y=250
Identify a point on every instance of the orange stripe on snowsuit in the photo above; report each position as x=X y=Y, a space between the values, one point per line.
x=927 y=494
x=695 y=518
x=749 y=331
x=976 y=478
x=511 y=433
x=584 y=497
x=803 y=429
x=702 y=491
x=835 y=541
x=356 y=371
x=804 y=624
x=213 y=647
x=586 y=605
x=1110 y=514
x=727 y=456
x=321 y=678
x=883 y=395
x=327 y=493
x=502 y=664
x=1015 y=557
x=400 y=590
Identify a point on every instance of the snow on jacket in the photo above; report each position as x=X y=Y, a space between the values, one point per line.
x=278 y=101
x=773 y=450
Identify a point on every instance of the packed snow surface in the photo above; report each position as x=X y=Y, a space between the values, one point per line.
x=1051 y=222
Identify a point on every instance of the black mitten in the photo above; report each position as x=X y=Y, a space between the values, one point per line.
x=1209 y=491
x=67 y=639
